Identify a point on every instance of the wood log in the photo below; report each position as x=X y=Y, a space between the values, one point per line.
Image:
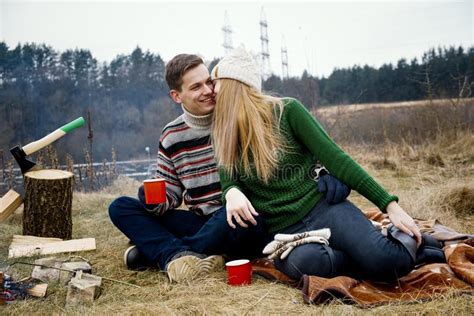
x=47 y=203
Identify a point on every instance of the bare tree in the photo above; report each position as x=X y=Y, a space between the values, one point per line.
x=464 y=91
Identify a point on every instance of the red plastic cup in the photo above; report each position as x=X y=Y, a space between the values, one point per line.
x=155 y=191
x=239 y=272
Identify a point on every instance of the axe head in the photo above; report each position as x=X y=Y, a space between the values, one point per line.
x=20 y=157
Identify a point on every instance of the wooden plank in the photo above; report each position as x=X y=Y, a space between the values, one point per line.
x=19 y=240
x=9 y=203
x=73 y=245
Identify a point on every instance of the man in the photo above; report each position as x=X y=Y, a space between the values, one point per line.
x=186 y=244
x=179 y=241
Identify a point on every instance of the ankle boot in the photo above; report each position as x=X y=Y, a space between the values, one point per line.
x=430 y=250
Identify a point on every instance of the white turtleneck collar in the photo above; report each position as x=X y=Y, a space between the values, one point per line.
x=197 y=121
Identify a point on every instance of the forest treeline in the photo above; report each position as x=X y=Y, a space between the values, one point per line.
x=128 y=103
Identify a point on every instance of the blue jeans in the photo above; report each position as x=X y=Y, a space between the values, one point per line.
x=356 y=248
x=160 y=238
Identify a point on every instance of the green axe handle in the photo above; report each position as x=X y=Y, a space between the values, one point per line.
x=48 y=139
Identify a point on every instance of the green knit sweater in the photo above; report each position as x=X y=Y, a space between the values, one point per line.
x=292 y=192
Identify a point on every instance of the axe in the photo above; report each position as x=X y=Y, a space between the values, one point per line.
x=20 y=153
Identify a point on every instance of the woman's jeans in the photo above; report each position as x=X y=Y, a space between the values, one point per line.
x=160 y=238
x=356 y=248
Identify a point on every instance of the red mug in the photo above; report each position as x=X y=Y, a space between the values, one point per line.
x=239 y=272
x=155 y=191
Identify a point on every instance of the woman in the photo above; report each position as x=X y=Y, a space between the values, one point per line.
x=265 y=147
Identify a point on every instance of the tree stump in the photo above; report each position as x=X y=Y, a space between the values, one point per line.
x=47 y=203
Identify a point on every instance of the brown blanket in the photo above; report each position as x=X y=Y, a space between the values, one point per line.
x=421 y=284
x=426 y=282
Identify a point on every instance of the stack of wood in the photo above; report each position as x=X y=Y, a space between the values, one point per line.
x=47 y=222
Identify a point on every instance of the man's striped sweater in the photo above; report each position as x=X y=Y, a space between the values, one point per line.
x=186 y=161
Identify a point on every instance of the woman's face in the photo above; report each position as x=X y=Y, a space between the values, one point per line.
x=217 y=86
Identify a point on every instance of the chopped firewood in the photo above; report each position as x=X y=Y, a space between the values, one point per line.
x=44 y=246
x=73 y=267
x=28 y=240
x=46 y=274
x=84 y=288
x=38 y=290
x=9 y=203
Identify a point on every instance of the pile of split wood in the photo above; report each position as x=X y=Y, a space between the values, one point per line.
x=83 y=286
x=47 y=229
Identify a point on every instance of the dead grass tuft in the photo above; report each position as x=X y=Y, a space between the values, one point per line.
x=384 y=163
x=435 y=159
x=459 y=200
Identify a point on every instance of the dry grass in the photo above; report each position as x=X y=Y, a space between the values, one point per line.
x=426 y=187
x=459 y=200
x=370 y=106
x=412 y=122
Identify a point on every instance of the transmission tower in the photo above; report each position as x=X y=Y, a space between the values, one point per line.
x=284 y=59
x=227 y=30
x=265 y=55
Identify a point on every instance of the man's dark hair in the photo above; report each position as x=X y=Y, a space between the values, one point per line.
x=177 y=67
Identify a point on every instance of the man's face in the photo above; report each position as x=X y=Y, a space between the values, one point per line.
x=196 y=93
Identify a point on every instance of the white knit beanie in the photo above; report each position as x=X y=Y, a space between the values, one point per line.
x=239 y=65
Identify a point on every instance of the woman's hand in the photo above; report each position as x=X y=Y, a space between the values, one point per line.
x=403 y=221
x=240 y=208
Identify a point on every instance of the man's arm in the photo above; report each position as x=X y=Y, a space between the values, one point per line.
x=174 y=188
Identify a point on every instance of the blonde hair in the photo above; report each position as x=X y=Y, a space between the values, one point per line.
x=246 y=130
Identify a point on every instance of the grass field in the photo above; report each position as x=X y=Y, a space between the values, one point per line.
x=415 y=122
x=434 y=179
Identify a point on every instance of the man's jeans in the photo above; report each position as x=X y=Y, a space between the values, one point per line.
x=160 y=238
x=356 y=248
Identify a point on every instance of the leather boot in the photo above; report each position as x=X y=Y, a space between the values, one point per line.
x=430 y=250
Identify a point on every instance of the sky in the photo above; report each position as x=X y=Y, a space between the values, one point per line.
x=319 y=35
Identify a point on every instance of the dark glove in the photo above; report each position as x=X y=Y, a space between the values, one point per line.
x=336 y=191
x=141 y=197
